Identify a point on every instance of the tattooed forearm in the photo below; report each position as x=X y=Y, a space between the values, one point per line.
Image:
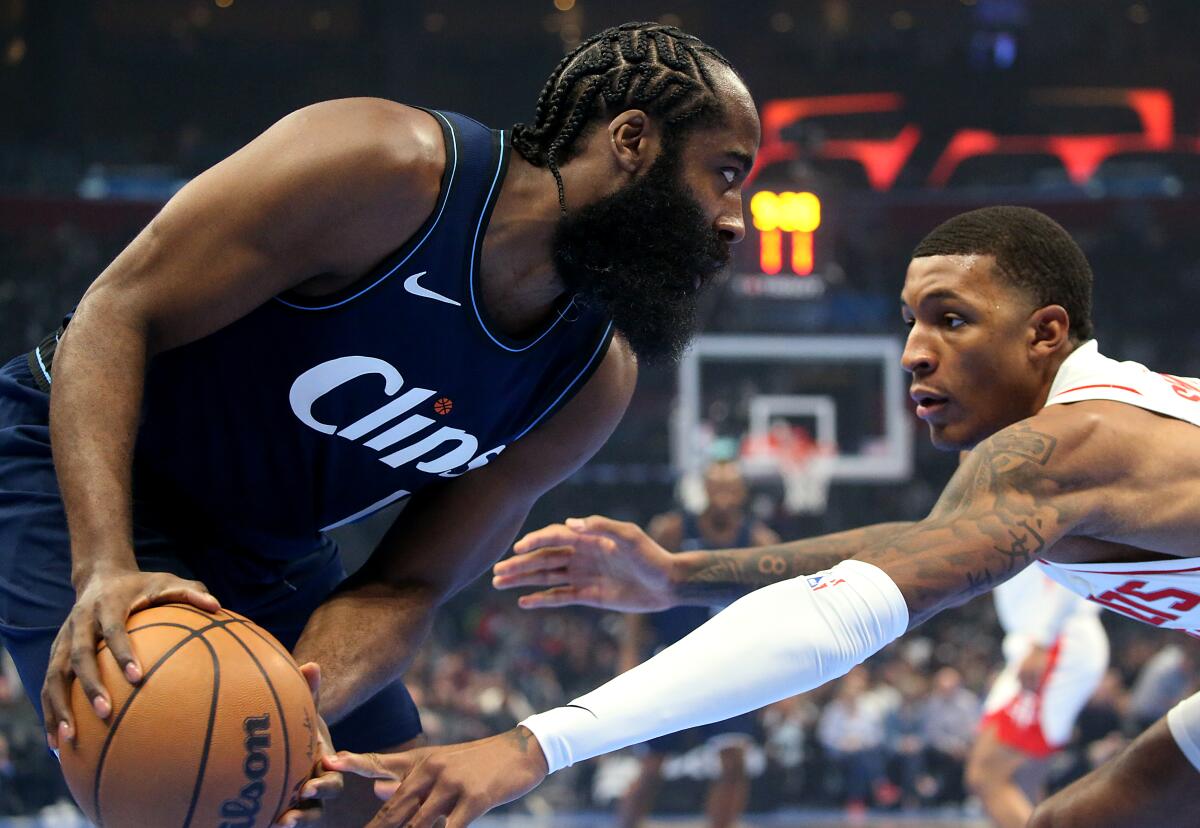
x=998 y=515
x=720 y=577
x=521 y=737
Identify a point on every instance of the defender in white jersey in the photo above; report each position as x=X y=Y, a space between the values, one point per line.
x=1055 y=653
x=1086 y=464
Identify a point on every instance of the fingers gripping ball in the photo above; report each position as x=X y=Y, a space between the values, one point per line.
x=221 y=730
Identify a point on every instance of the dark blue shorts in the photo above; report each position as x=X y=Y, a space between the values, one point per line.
x=715 y=733
x=35 y=567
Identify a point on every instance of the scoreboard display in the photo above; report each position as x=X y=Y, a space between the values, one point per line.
x=787 y=247
x=794 y=216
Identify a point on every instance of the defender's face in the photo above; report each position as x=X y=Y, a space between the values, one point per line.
x=968 y=349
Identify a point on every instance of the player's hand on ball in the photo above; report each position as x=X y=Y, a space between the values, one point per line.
x=103 y=602
x=449 y=787
x=325 y=783
x=594 y=562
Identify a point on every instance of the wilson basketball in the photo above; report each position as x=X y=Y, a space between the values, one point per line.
x=220 y=731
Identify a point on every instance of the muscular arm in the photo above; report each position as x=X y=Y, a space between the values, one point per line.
x=1013 y=496
x=366 y=634
x=1016 y=495
x=330 y=189
x=725 y=575
x=287 y=206
x=995 y=517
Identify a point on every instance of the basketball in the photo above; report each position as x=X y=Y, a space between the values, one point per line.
x=221 y=729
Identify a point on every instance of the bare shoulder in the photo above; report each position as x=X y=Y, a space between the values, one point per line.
x=1087 y=462
x=1044 y=457
x=1061 y=439
x=377 y=132
x=366 y=171
x=1137 y=474
x=379 y=149
x=1104 y=440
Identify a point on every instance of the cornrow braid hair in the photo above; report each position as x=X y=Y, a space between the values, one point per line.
x=649 y=66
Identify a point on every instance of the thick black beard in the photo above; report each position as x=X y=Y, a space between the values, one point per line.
x=641 y=256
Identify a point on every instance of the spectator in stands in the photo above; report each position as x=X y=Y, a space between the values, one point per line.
x=950 y=715
x=852 y=731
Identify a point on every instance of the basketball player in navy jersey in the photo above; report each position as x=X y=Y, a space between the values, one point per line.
x=1083 y=464
x=724 y=523
x=368 y=303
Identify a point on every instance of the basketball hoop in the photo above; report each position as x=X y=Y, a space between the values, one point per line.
x=807 y=474
x=805 y=467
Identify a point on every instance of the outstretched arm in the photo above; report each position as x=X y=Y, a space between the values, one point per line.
x=993 y=519
x=1013 y=498
x=1015 y=494
x=612 y=564
x=724 y=576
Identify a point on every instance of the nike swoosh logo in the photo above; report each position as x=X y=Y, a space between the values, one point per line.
x=413 y=287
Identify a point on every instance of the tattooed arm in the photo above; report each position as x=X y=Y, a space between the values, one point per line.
x=612 y=564
x=1008 y=501
x=725 y=575
x=1013 y=496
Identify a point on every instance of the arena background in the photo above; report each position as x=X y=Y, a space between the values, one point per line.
x=890 y=116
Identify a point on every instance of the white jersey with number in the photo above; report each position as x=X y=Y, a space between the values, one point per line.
x=1164 y=593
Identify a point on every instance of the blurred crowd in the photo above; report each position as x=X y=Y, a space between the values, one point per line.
x=893 y=734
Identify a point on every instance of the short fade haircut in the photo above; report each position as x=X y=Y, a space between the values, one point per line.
x=649 y=66
x=1033 y=253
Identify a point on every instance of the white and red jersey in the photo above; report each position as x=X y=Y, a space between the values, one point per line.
x=1162 y=593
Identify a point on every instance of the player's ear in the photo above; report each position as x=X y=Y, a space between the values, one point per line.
x=1050 y=328
x=634 y=138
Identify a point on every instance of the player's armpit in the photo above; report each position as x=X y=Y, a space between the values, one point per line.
x=1013 y=497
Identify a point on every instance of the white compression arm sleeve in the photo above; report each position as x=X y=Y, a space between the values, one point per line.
x=775 y=642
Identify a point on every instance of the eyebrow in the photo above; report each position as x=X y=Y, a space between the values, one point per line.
x=940 y=293
x=745 y=159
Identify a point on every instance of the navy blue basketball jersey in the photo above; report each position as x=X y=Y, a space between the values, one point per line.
x=671 y=625
x=310 y=413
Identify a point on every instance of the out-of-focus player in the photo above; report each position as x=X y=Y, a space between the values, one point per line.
x=723 y=523
x=1055 y=653
x=1087 y=465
